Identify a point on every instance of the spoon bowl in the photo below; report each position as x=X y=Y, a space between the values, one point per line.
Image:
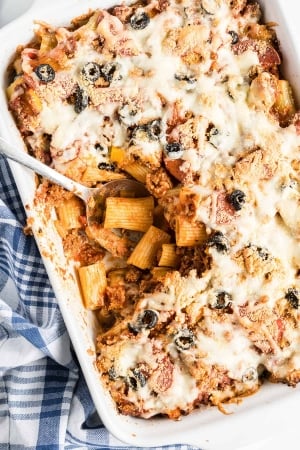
x=94 y=198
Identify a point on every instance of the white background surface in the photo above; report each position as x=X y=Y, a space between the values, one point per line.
x=281 y=439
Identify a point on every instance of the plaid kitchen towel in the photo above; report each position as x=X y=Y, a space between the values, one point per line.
x=44 y=400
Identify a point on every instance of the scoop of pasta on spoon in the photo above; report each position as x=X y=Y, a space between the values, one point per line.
x=94 y=198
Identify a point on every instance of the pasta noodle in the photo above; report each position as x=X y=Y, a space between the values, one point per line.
x=92 y=174
x=169 y=257
x=70 y=212
x=146 y=250
x=129 y=213
x=93 y=283
x=136 y=169
x=189 y=233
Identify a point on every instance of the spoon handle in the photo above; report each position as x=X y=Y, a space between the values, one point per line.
x=37 y=166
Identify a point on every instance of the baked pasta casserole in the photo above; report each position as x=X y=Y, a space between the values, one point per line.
x=195 y=285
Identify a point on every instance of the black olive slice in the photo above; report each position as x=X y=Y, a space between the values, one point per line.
x=234 y=37
x=174 y=150
x=81 y=100
x=99 y=148
x=292 y=297
x=139 y=20
x=223 y=299
x=187 y=78
x=150 y=130
x=112 y=374
x=154 y=129
x=237 y=199
x=184 y=339
x=218 y=241
x=106 y=166
x=250 y=375
x=45 y=72
x=132 y=382
x=107 y=71
x=223 y=302
x=137 y=379
x=147 y=319
x=91 y=71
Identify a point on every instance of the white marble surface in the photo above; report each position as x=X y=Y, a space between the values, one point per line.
x=279 y=440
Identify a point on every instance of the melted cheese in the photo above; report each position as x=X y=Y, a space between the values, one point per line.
x=235 y=354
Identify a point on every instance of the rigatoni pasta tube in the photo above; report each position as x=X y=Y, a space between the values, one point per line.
x=69 y=212
x=117 y=155
x=129 y=213
x=92 y=174
x=136 y=169
x=284 y=104
x=93 y=283
x=189 y=233
x=48 y=40
x=169 y=257
x=144 y=254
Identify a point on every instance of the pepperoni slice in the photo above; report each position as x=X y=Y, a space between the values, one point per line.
x=267 y=55
x=225 y=211
x=162 y=378
x=174 y=168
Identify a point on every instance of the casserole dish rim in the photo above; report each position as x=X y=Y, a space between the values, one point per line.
x=131 y=430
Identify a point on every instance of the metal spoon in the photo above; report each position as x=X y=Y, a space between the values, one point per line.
x=93 y=197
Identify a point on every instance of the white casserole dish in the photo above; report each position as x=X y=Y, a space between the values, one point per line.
x=274 y=406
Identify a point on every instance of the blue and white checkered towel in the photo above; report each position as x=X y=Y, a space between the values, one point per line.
x=44 y=400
